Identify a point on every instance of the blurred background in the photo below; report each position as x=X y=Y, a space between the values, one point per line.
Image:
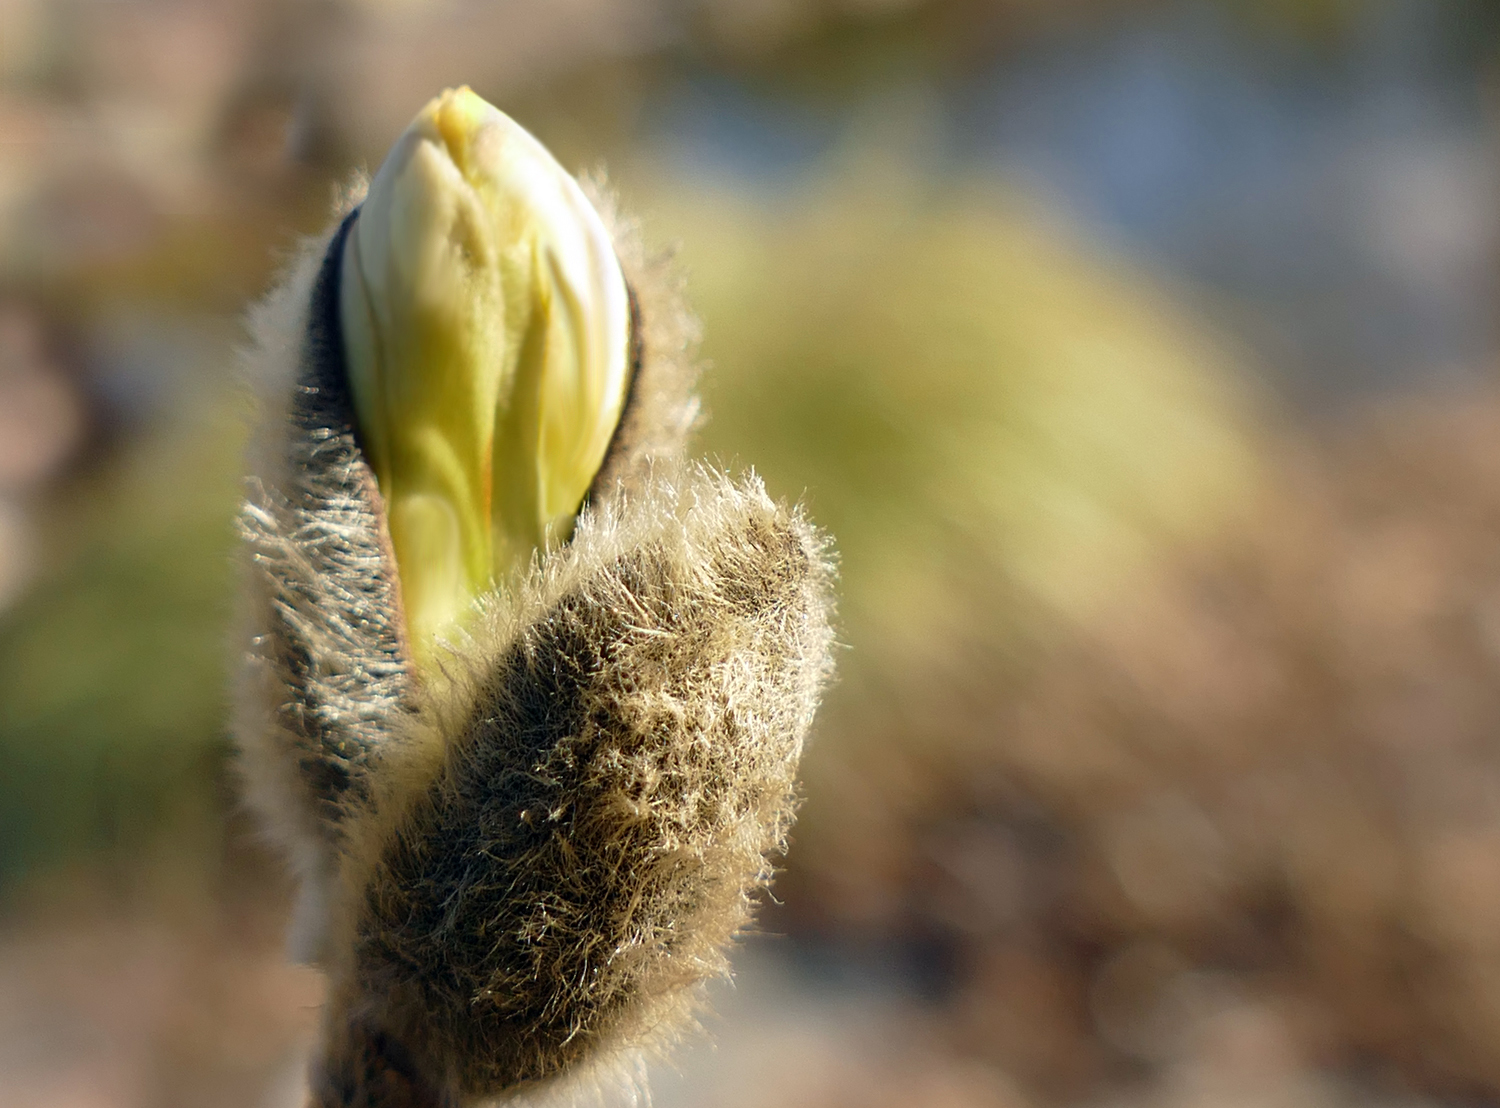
x=1141 y=356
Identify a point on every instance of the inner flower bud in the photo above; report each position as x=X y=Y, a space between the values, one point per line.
x=486 y=329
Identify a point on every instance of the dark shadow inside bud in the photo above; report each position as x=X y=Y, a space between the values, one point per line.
x=629 y=431
x=323 y=402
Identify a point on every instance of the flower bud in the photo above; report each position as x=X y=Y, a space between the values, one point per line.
x=520 y=875
x=486 y=330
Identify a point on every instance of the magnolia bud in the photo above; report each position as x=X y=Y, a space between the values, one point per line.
x=518 y=867
x=486 y=329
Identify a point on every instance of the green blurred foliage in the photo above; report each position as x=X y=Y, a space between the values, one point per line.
x=113 y=701
x=1001 y=428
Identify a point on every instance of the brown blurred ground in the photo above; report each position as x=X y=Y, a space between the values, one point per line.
x=1261 y=792
x=114 y=993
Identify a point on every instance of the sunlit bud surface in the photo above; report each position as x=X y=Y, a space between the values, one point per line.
x=486 y=331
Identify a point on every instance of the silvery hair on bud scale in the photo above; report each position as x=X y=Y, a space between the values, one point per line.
x=520 y=868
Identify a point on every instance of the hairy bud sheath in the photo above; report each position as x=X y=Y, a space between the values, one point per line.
x=529 y=808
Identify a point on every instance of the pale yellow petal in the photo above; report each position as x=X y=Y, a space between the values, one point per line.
x=486 y=326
